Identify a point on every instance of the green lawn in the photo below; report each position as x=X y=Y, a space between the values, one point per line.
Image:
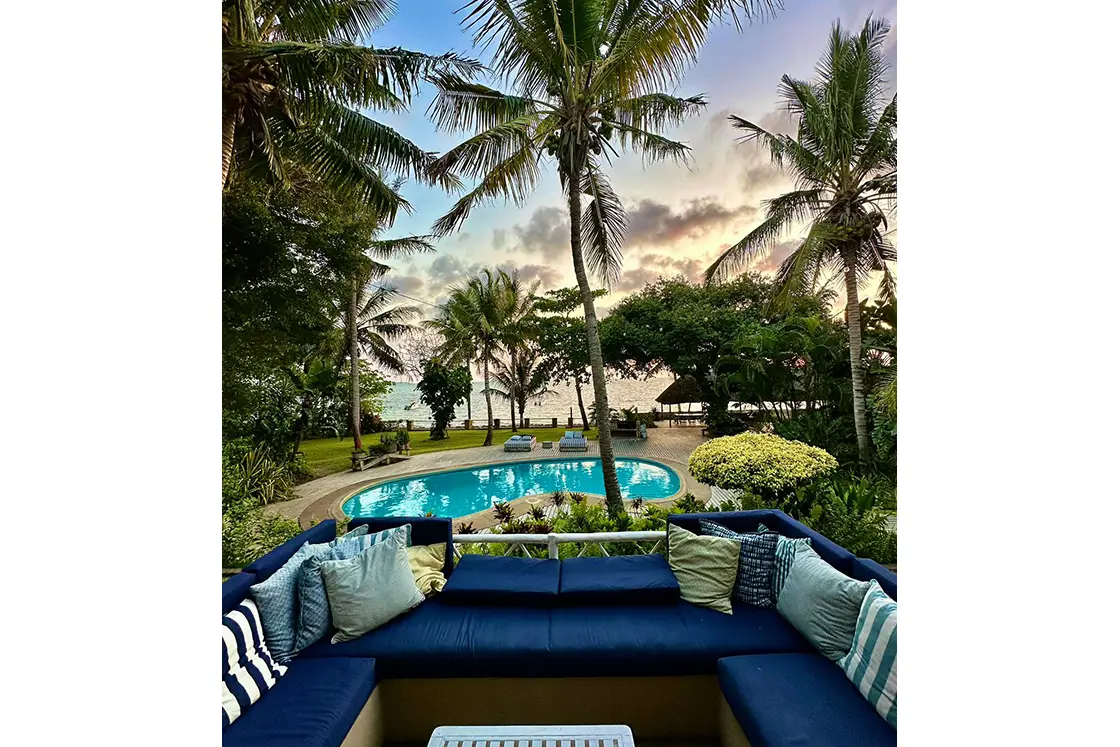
x=328 y=455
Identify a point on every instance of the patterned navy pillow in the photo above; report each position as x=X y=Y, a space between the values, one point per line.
x=755 y=580
x=783 y=557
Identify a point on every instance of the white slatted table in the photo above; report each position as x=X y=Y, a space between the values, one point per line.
x=532 y=736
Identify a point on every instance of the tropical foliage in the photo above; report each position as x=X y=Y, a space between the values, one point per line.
x=441 y=389
x=844 y=162
x=765 y=464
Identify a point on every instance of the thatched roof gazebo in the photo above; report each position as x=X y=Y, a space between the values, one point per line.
x=683 y=390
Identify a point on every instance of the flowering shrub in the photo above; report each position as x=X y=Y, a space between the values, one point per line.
x=760 y=463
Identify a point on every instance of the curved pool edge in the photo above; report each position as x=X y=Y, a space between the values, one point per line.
x=687 y=484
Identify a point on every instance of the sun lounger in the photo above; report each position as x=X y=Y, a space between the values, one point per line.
x=521 y=443
x=573 y=441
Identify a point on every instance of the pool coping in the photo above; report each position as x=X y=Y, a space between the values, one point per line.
x=330 y=505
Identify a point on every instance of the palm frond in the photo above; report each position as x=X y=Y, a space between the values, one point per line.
x=402 y=246
x=602 y=227
x=781 y=213
x=463 y=105
x=656 y=110
x=513 y=179
x=478 y=155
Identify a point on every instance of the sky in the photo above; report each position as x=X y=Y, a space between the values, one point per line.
x=680 y=217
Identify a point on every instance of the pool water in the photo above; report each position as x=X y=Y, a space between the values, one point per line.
x=466 y=491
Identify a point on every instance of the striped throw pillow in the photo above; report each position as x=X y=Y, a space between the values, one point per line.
x=248 y=669
x=870 y=665
x=756 y=563
x=783 y=557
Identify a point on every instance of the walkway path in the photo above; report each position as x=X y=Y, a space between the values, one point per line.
x=322 y=498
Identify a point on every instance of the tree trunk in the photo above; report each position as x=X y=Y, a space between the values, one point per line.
x=355 y=380
x=855 y=355
x=489 y=405
x=582 y=410
x=598 y=375
x=512 y=386
x=229 y=125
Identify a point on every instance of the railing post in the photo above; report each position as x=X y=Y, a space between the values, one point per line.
x=553 y=546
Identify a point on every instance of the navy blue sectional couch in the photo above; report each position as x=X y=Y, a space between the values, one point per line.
x=591 y=620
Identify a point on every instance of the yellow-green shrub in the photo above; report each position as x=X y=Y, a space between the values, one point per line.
x=759 y=463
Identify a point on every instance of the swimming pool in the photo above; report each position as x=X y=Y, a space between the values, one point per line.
x=466 y=491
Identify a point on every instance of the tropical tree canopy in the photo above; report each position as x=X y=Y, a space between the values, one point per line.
x=295 y=80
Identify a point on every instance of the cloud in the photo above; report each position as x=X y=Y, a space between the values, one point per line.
x=652 y=266
x=410 y=284
x=653 y=223
x=500 y=237
x=447 y=269
x=549 y=276
x=778 y=254
x=546 y=232
x=464 y=237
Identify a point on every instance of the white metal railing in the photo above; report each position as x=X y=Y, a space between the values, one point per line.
x=554 y=539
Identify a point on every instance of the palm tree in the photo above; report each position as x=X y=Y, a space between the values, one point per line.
x=471 y=324
x=517 y=313
x=521 y=379
x=583 y=71
x=844 y=161
x=369 y=322
x=294 y=81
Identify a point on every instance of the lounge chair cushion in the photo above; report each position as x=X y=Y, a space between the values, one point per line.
x=670 y=639
x=313 y=705
x=438 y=639
x=485 y=579
x=628 y=579
x=799 y=699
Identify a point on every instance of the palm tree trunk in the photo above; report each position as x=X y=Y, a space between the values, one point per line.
x=579 y=400
x=512 y=388
x=855 y=355
x=598 y=374
x=489 y=405
x=355 y=381
x=229 y=125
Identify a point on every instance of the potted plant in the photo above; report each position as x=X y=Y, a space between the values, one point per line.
x=389 y=441
x=404 y=440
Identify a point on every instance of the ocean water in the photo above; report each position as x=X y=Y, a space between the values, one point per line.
x=466 y=491
x=562 y=403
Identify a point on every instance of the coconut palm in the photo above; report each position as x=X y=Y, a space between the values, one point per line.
x=519 y=301
x=294 y=82
x=583 y=72
x=844 y=163
x=370 y=322
x=521 y=379
x=471 y=324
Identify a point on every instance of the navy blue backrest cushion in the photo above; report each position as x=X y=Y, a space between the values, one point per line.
x=235 y=589
x=780 y=522
x=426 y=530
x=865 y=569
x=627 y=579
x=482 y=579
x=264 y=567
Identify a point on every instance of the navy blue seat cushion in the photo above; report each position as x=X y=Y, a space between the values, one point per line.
x=781 y=700
x=628 y=579
x=235 y=589
x=651 y=640
x=780 y=522
x=482 y=579
x=865 y=569
x=265 y=566
x=426 y=530
x=313 y=705
x=447 y=640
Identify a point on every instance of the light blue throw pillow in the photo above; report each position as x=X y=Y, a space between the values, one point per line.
x=370 y=589
x=822 y=603
x=314 y=617
x=278 y=602
x=783 y=557
x=870 y=665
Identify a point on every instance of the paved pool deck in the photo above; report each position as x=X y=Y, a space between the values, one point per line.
x=322 y=499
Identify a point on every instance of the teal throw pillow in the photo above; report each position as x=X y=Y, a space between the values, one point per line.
x=278 y=601
x=822 y=603
x=370 y=589
x=870 y=665
x=783 y=557
x=314 y=617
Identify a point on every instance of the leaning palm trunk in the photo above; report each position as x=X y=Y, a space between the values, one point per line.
x=855 y=354
x=228 y=127
x=579 y=401
x=512 y=388
x=489 y=403
x=355 y=380
x=598 y=375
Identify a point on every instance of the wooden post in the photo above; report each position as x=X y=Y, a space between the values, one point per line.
x=497 y=423
x=571 y=421
x=408 y=425
x=557 y=420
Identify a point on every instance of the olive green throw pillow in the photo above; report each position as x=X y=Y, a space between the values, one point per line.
x=822 y=603
x=705 y=567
